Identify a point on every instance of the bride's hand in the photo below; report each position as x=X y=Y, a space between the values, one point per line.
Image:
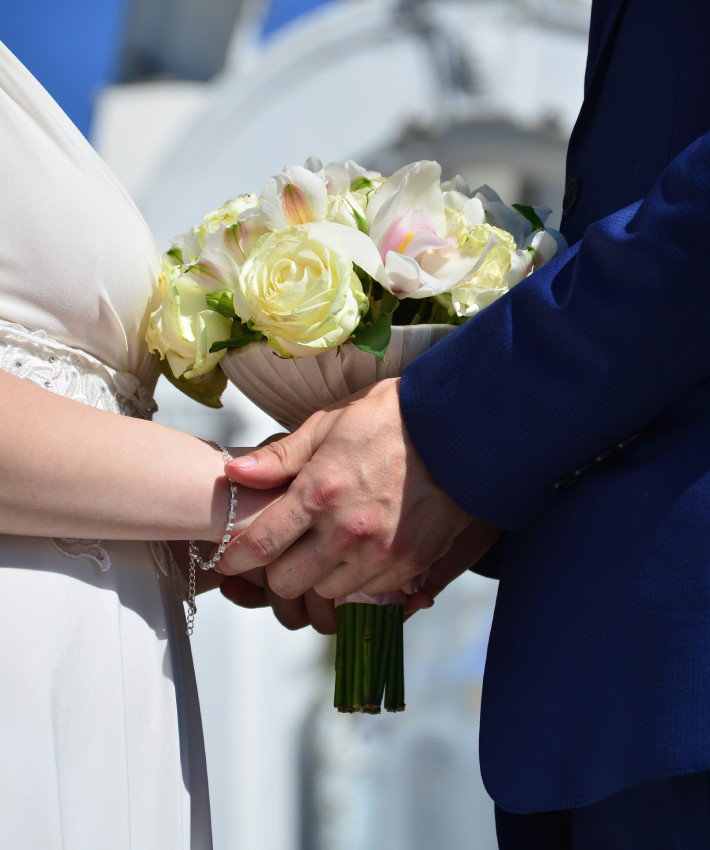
x=249 y=590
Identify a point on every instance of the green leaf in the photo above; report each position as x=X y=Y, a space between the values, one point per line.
x=207 y=389
x=530 y=214
x=222 y=302
x=235 y=342
x=241 y=335
x=374 y=338
x=360 y=183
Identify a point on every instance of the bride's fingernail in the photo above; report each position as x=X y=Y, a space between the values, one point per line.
x=417 y=585
x=247 y=462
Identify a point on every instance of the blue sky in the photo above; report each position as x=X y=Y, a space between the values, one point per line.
x=71 y=46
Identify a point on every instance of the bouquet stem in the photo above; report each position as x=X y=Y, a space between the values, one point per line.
x=369 y=657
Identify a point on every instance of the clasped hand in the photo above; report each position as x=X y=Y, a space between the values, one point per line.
x=362 y=512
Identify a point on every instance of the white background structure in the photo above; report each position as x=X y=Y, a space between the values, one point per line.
x=491 y=89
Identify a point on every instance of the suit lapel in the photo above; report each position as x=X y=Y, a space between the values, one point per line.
x=595 y=72
x=612 y=17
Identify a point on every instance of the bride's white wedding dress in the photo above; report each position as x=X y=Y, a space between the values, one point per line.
x=100 y=734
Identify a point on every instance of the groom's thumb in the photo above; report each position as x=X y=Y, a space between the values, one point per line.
x=276 y=463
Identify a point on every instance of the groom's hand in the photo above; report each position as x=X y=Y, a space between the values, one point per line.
x=362 y=512
x=469 y=547
x=306 y=610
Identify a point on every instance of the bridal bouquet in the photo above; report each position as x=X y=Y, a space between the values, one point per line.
x=333 y=267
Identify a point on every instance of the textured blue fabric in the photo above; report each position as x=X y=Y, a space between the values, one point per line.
x=598 y=670
x=669 y=814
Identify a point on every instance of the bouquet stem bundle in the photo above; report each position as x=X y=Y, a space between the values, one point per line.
x=369 y=658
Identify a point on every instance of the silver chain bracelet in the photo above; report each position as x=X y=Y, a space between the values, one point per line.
x=195 y=554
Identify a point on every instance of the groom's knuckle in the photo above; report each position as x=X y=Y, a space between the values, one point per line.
x=324 y=493
x=359 y=528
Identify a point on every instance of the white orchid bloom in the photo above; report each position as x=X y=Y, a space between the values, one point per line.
x=237 y=240
x=353 y=244
x=334 y=175
x=216 y=269
x=345 y=210
x=188 y=244
x=342 y=206
x=231 y=211
x=336 y=178
x=410 y=251
x=362 y=180
x=349 y=188
x=294 y=196
x=339 y=178
x=313 y=164
x=408 y=226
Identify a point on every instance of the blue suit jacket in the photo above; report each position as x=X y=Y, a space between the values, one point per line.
x=598 y=670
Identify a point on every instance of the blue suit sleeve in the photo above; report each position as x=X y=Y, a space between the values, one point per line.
x=575 y=358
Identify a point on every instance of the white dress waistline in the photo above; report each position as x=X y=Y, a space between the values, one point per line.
x=71 y=373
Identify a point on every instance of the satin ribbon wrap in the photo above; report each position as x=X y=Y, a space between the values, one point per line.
x=396 y=597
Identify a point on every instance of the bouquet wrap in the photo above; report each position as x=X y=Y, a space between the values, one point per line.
x=292 y=390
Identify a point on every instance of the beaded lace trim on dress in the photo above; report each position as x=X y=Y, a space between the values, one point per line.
x=77 y=375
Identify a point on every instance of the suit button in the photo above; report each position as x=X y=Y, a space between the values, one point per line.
x=571 y=196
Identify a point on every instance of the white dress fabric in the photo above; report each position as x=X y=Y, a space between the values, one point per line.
x=100 y=733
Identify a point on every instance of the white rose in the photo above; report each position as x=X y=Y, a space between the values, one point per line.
x=303 y=296
x=487 y=284
x=183 y=328
x=504 y=267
